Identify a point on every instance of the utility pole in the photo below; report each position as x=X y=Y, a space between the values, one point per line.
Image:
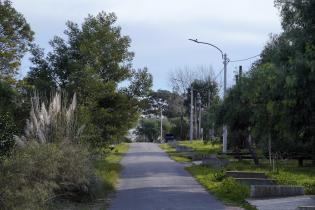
x=199 y=115
x=225 y=62
x=191 y=114
x=195 y=124
x=161 y=104
x=161 y=124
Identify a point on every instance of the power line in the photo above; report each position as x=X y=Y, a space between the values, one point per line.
x=245 y=59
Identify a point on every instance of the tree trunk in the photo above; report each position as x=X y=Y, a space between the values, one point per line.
x=238 y=153
x=181 y=124
x=300 y=159
x=269 y=149
x=252 y=151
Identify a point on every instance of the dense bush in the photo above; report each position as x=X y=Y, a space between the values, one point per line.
x=49 y=161
x=232 y=190
x=27 y=178
x=7 y=129
x=75 y=171
x=39 y=173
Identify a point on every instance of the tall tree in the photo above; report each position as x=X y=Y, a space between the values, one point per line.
x=15 y=37
x=93 y=61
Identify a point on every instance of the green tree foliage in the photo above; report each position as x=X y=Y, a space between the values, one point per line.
x=207 y=89
x=276 y=97
x=92 y=62
x=173 y=109
x=12 y=102
x=15 y=36
x=7 y=96
x=7 y=130
x=149 y=129
x=41 y=75
x=15 y=39
x=172 y=103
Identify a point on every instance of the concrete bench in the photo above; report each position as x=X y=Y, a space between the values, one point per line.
x=172 y=144
x=214 y=162
x=256 y=181
x=264 y=191
x=246 y=174
x=183 y=149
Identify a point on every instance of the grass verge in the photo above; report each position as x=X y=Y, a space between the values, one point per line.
x=225 y=189
x=176 y=156
x=232 y=193
x=108 y=168
x=287 y=172
x=199 y=147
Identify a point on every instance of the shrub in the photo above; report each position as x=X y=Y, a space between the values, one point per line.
x=49 y=162
x=27 y=178
x=74 y=172
x=232 y=191
x=219 y=176
x=7 y=129
x=309 y=187
x=39 y=173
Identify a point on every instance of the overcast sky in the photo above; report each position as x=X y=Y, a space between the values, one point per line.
x=160 y=29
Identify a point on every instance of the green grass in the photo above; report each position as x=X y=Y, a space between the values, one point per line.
x=232 y=193
x=176 y=156
x=109 y=167
x=225 y=189
x=287 y=172
x=201 y=148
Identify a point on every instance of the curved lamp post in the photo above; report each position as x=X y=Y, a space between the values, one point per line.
x=225 y=62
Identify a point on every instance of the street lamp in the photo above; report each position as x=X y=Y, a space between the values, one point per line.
x=225 y=62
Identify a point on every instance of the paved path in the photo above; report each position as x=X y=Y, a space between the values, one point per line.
x=150 y=180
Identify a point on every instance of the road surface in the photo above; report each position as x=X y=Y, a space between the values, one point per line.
x=150 y=180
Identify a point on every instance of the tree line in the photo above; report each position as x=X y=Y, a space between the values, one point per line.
x=59 y=120
x=274 y=101
x=271 y=108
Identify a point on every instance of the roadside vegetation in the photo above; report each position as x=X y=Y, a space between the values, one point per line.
x=62 y=125
x=177 y=156
x=286 y=172
x=200 y=147
x=233 y=193
x=60 y=140
x=225 y=189
x=108 y=167
x=269 y=111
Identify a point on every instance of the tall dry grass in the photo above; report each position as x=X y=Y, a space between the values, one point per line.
x=50 y=162
x=55 y=123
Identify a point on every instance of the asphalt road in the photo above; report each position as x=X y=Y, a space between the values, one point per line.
x=150 y=180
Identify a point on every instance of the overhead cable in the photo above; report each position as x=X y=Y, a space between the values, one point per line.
x=245 y=59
